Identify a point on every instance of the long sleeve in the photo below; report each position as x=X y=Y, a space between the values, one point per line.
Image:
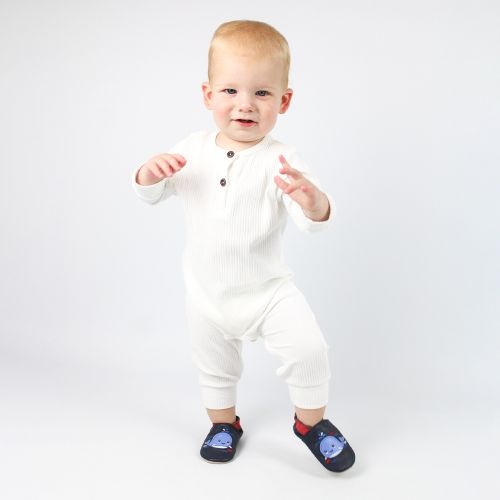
x=153 y=193
x=294 y=209
x=164 y=189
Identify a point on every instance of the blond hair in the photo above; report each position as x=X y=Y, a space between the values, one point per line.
x=255 y=37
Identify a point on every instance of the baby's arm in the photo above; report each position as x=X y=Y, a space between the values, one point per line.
x=312 y=200
x=159 y=167
x=154 y=180
x=310 y=208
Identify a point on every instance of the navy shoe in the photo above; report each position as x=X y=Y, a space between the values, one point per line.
x=221 y=442
x=326 y=443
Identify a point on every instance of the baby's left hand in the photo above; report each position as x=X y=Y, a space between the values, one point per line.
x=314 y=202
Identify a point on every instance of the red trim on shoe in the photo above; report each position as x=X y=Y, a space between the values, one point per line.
x=236 y=423
x=302 y=428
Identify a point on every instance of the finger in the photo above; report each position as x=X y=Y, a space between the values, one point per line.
x=162 y=166
x=170 y=162
x=174 y=163
x=181 y=161
x=156 y=169
x=291 y=188
x=287 y=169
x=285 y=186
x=280 y=182
x=180 y=158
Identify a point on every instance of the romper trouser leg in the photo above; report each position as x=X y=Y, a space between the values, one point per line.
x=218 y=360
x=291 y=332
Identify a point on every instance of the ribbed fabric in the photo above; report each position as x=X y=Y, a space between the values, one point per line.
x=235 y=217
x=289 y=331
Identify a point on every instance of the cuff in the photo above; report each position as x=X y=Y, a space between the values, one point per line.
x=309 y=398
x=218 y=398
x=151 y=193
x=308 y=225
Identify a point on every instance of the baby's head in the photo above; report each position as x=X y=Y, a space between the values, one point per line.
x=248 y=64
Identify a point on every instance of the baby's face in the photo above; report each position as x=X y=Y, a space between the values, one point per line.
x=245 y=87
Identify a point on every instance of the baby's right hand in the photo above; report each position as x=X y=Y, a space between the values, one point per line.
x=159 y=167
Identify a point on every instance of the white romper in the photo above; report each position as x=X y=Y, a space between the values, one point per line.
x=233 y=264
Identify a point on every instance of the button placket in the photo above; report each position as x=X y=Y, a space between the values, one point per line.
x=223 y=184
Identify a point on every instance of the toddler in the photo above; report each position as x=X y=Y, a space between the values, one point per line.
x=237 y=186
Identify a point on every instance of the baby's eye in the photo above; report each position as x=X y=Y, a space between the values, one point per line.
x=262 y=95
x=230 y=91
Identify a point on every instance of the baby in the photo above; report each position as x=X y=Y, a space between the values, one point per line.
x=237 y=186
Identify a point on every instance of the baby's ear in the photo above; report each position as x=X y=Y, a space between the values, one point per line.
x=207 y=94
x=285 y=100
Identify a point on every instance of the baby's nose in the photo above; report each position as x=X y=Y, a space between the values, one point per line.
x=245 y=108
x=245 y=103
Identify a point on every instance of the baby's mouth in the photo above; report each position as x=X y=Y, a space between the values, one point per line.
x=244 y=121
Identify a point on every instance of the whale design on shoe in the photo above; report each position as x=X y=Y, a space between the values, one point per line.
x=330 y=446
x=220 y=440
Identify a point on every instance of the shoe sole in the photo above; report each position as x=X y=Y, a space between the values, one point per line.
x=215 y=462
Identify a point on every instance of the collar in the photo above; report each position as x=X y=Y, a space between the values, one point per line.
x=267 y=139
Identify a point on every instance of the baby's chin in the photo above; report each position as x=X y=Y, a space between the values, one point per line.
x=238 y=140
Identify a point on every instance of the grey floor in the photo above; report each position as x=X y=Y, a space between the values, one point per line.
x=83 y=429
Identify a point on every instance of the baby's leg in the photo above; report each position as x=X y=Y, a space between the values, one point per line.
x=291 y=332
x=219 y=365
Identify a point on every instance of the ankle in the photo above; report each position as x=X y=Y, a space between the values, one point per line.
x=222 y=416
x=233 y=423
x=310 y=417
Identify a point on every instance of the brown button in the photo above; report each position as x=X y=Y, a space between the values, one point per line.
x=223 y=182
x=230 y=154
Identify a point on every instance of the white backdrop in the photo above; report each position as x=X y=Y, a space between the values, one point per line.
x=396 y=108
